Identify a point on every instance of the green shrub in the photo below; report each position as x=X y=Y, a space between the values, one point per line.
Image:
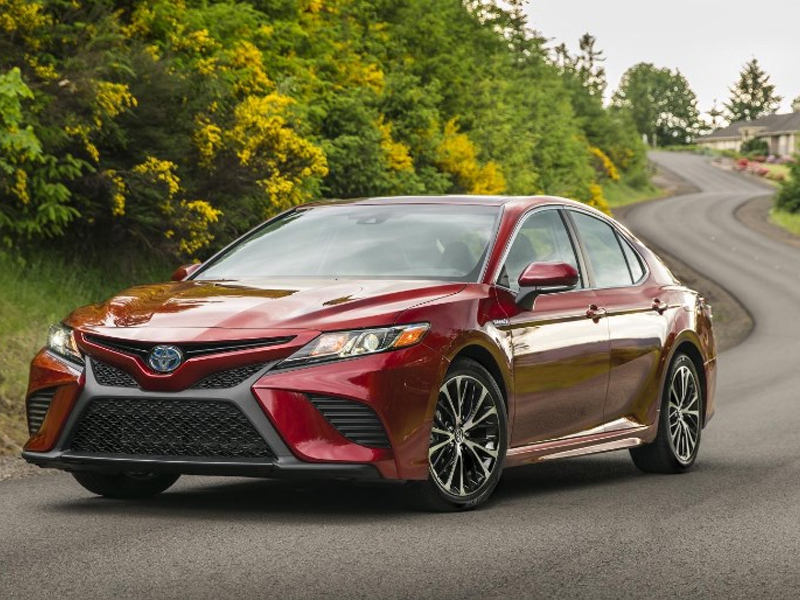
x=788 y=198
x=755 y=147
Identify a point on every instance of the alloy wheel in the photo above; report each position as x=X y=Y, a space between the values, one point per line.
x=465 y=438
x=684 y=414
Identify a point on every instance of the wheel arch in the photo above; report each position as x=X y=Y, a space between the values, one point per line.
x=691 y=347
x=693 y=352
x=484 y=357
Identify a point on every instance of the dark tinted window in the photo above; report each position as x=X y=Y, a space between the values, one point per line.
x=634 y=262
x=542 y=237
x=604 y=252
x=440 y=242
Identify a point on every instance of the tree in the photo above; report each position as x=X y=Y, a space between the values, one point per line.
x=661 y=103
x=715 y=116
x=753 y=95
x=788 y=198
x=589 y=66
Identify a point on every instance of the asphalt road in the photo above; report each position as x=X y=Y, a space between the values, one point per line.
x=580 y=528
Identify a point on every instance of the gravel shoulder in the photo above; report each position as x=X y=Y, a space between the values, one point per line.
x=13 y=467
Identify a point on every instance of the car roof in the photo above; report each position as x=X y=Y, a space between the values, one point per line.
x=458 y=200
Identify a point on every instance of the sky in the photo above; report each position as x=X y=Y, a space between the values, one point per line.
x=708 y=40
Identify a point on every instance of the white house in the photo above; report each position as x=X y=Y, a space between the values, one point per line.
x=781 y=132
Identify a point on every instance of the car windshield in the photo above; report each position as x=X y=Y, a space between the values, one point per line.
x=440 y=242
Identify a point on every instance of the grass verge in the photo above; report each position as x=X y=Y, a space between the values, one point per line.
x=786 y=220
x=622 y=194
x=35 y=293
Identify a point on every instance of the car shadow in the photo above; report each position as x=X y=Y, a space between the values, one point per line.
x=562 y=475
x=261 y=499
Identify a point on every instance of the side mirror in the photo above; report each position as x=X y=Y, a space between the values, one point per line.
x=184 y=271
x=545 y=278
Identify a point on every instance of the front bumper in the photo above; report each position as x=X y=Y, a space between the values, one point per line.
x=282 y=468
x=397 y=386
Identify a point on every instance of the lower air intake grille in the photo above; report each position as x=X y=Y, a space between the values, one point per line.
x=38 y=405
x=355 y=421
x=180 y=428
x=227 y=379
x=112 y=376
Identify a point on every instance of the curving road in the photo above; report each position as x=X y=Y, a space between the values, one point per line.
x=589 y=528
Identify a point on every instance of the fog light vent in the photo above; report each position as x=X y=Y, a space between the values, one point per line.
x=355 y=421
x=38 y=405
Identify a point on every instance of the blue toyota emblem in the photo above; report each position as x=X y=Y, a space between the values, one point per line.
x=165 y=359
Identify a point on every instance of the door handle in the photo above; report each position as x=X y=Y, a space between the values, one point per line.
x=595 y=313
x=658 y=306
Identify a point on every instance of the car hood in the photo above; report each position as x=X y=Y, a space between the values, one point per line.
x=140 y=312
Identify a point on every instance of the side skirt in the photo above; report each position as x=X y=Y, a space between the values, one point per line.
x=618 y=435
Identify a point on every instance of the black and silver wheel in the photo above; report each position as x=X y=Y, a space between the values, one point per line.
x=468 y=440
x=125 y=485
x=680 y=422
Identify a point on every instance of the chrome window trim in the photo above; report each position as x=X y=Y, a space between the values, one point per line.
x=511 y=238
x=620 y=233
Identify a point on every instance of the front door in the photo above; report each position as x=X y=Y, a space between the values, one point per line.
x=561 y=345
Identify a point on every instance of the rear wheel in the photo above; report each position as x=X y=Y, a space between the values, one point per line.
x=468 y=441
x=125 y=485
x=680 y=423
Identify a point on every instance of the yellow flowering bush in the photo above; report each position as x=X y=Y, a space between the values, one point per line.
x=459 y=157
x=397 y=153
x=186 y=222
x=192 y=222
x=603 y=165
x=597 y=199
x=266 y=145
x=251 y=77
x=112 y=99
x=23 y=18
x=118 y=191
x=207 y=139
x=163 y=171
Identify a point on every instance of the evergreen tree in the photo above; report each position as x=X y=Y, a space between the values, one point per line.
x=716 y=116
x=589 y=66
x=752 y=96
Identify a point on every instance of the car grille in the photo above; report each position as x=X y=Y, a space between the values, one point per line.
x=168 y=428
x=190 y=350
x=355 y=421
x=38 y=405
x=227 y=379
x=112 y=376
x=108 y=375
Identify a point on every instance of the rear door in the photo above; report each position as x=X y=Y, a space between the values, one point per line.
x=561 y=347
x=633 y=310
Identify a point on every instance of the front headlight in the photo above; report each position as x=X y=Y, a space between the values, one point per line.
x=61 y=341
x=346 y=344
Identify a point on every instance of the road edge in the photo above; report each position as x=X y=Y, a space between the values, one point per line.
x=729 y=310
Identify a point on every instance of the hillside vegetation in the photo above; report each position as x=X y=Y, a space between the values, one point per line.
x=135 y=135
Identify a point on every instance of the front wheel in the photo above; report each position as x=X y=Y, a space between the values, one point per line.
x=468 y=441
x=680 y=423
x=125 y=485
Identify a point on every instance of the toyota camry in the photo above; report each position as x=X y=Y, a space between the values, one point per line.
x=430 y=340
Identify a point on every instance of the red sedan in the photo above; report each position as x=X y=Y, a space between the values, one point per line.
x=432 y=340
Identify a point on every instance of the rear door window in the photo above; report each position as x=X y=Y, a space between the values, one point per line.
x=604 y=252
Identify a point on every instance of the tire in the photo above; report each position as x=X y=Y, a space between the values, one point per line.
x=125 y=485
x=468 y=442
x=680 y=423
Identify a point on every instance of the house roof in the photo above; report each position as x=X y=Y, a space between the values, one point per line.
x=771 y=124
